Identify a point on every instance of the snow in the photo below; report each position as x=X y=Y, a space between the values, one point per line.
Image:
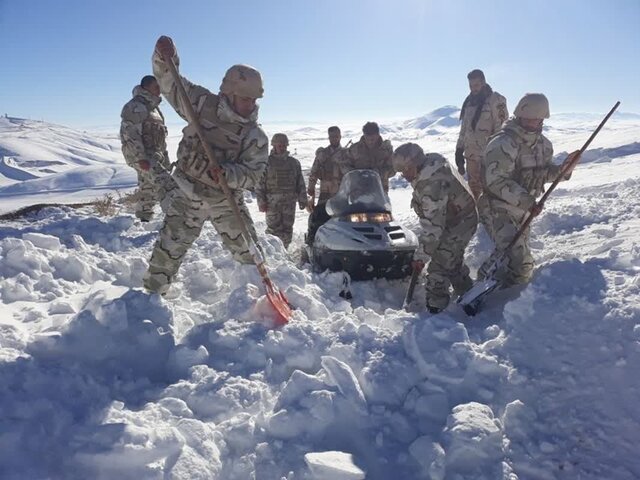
x=101 y=380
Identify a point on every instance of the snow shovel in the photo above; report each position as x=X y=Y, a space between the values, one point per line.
x=278 y=301
x=472 y=299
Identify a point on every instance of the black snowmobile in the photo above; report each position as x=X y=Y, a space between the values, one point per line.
x=361 y=238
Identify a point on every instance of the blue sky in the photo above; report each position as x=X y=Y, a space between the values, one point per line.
x=75 y=61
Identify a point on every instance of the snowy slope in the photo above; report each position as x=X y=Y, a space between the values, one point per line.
x=91 y=164
x=101 y=380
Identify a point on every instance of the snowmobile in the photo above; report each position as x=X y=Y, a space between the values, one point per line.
x=361 y=238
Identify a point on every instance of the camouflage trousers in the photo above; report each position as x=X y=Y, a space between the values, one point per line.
x=152 y=187
x=280 y=216
x=185 y=215
x=318 y=217
x=502 y=225
x=474 y=174
x=447 y=267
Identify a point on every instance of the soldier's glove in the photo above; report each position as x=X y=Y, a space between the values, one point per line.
x=570 y=163
x=420 y=255
x=460 y=160
x=144 y=165
x=262 y=207
x=302 y=205
x=165 y=47
x=536 y=209
x=215 y=174
x=417 y=265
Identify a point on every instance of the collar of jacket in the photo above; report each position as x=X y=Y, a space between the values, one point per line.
x=521 y=135
x=375 y=147
x=477 y=99
x=227 y=114
x=433 y=163
x=148 y=97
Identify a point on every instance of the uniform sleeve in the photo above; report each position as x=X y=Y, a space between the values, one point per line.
x=553 y=170
x=385 y=167
x=133 y=114
x=499 y=165
x=261 y=189
x=351 y=157
x=249 y=168
x=315 y=172
x=499 y=112
x=463 y=131
x=301 y=187
x=432 y=203
x=170 y=90
x=387 y=164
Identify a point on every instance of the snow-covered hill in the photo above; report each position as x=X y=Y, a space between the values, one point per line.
x=100 y=380
x=90 y=163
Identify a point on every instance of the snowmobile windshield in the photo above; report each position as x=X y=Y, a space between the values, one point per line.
x=360 y=192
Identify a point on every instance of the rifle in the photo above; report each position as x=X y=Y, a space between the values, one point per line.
x=472 y=298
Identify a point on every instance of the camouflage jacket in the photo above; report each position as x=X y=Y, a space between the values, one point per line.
x=516 y=166
x=494 y=112
x=240 y=145
x=441 y=199
x=329 y=167
x=377 y=159
x=283 y=176
x=142 y=130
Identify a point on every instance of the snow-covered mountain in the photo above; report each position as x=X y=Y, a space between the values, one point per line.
x=38 y=159
x=100 y=380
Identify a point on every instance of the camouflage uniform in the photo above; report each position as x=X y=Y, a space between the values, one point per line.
x=329 y=166
x=281 y=186
x=473 y=137
x=517 y=164
x=448 y=219
x=378 y=159
x=143 y=135
x=241 y=149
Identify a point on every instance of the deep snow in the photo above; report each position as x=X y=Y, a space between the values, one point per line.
x=100 y=380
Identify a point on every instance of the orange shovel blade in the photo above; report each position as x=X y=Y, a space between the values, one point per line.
x=280 y=305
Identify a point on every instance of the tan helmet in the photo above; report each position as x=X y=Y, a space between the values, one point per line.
x=242 y=80
x=407 y=154
x=532 y=106
x=280 y=138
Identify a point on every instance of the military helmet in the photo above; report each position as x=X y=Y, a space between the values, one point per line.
x=407 y=154
x=280 y=138
x=242 y=80
x=532 y=106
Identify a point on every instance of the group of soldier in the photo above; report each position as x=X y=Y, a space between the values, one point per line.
x=507 y=161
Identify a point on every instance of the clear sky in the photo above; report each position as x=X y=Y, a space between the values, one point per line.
x=75 y=62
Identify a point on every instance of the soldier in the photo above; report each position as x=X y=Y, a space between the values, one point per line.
x=373 y=153
x=448 y=219
x=482 y=114
x=281 y=186
x=144 y=146
x=329 y=166
x=229 y=123
x=517 y=164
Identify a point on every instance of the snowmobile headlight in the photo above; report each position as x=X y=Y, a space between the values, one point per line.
x=370 y=217
x=358 y=217
x=380 y=217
